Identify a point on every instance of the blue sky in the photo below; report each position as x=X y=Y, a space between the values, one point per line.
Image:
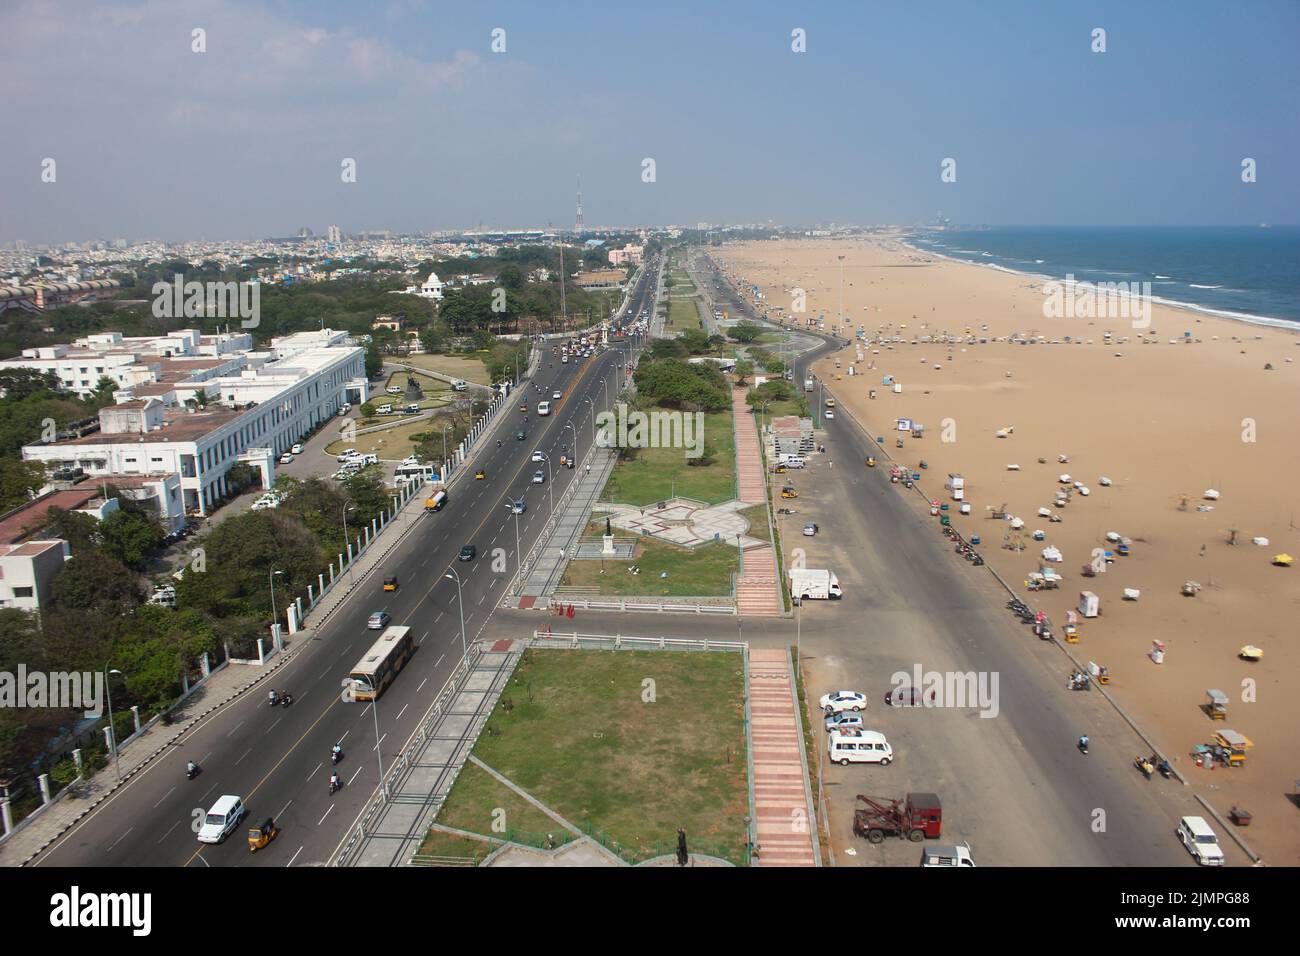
x=245 y=140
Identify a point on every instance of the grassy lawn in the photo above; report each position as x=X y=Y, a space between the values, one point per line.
x=703 y=572
x=683 y=315
x=478 y=801
x=437 y=843
x=635 y=743
x=656 y=473
x=470 y=368
x=757 y=518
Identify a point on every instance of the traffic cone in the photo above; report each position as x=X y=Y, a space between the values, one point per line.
x=570 y=610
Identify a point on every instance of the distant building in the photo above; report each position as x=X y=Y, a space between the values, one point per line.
x=792 y=435
x=628 y=255
x=333 y=234
x=28 y=563
x=613 y=279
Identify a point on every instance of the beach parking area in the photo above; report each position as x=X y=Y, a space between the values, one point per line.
x=1164 y=422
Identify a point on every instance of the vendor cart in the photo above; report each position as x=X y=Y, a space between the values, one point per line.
x=1216 y=706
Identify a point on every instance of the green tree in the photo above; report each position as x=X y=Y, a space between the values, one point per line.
x=95 y=582
x=19 y=482
x=745 y=331
x=129 y=537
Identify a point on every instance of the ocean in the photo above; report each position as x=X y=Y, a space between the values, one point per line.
x=1251 y=273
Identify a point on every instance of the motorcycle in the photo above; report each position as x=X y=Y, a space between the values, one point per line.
x=335 y=785
x=191 y=771
x=1083 y=744
x=273 y=699
x=286 y=700
x=336 y=756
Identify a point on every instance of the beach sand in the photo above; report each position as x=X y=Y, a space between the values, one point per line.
x=1160 y=420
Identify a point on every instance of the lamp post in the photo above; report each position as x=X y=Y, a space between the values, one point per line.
x=275 y=622
x=550 y=484
x=346 y=541
x=453 y=575
x=444 y=452
x=593 y=420
x=379 y=755
x=569 y=426
x=519 y=557
x=841 y=321
x=112 y=729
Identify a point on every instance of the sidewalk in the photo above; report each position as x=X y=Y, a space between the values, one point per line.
x=782 y=799
x=758 y=584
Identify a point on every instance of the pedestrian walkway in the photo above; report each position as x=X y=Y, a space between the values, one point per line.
x=758 y=586
x=782 y=797
x=391 y=829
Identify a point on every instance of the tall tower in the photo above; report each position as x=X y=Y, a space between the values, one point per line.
x=577 y=222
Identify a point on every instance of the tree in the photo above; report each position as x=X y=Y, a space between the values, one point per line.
x=19 y=482
x=130 y=536
x=745 y=331
x=95 y=582
x=19 y=383
x=744 y=369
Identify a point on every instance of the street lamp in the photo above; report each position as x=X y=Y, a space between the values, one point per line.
x=374 y=709
x=841 y=258
x=550 y=483
x=444 y=451
x=275 y=623
x=569 y=426
x=346 y=541
x=518 y=553
x=593 y=420
x=112 y=729
x=453 y=575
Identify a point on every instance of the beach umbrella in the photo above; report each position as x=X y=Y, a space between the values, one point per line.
x=1283 y=560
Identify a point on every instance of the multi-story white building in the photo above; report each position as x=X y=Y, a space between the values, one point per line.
x=196 y=429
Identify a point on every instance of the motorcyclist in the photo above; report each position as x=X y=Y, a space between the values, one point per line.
x=336 y=753
x=273 y=697
x=334 y=782
x=1083 y=743
x=286 y=699
x=498 y=442
x=191 y=768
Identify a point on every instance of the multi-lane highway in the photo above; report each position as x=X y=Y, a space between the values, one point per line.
x=277 y=759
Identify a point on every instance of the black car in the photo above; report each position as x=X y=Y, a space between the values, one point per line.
x=468 y=552
x=520 y=436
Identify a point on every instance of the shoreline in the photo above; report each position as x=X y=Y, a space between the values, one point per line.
x=1192 y=308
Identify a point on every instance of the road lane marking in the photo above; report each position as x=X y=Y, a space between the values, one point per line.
x=294 y=857
x=285 y=807
x=402 y=711
x=236 y=727
x=245 y=754
x=435 y=665
x=425 y=681
x=165 y=835
x=164 y=797
x=327 y=813
x=120 y=839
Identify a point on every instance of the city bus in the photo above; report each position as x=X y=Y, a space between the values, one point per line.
x=377 y=668
x=413 y=472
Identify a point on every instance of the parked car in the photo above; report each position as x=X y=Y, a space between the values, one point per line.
x=845 y=720
x=904 y=697
x=286 y=458
x=839 y=700
x=1200 y=841
x=297 y=448
x=378 y=621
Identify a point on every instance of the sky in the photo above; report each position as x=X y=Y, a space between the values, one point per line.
x=152 y=140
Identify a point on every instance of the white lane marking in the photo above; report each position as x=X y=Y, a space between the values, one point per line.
x=120 y=839
x=169 y=830
x=377 y=746
x=438 y=618
x=435 y=666
x=295 y=856
x=284 y=808
x=425 y=681
x=314 y=769
x=401 y=712
x=245 y=754
x=165 y=796
x=327 y=813
x=236 y=727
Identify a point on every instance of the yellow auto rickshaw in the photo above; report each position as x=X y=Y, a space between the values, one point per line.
x=871 y=463
x=480 y=475
x=778 y=469
x=390 y=583
x=789 y=492
x=259 y=837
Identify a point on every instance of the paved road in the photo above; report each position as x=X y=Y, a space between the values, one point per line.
x=275 y=758
x=1014 y=784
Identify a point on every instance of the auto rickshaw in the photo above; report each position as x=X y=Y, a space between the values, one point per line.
x=871 y=463
x=260 y=836
x=390 y=583
x=523 y=407
x=480 y=475
x=778 y=469
x=789 y=492
x=1217 y=705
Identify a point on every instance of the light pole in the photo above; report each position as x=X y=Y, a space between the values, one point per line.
x=569 y=426
x=550 y=484
x=841 y=321
x=453 y=575
x=444 y=451
x=379 y=755
x=593 y=420
x=347 y=544
x=519 y=557
x=112 y=729
x=275 y=622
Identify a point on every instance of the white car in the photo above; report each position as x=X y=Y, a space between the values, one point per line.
x=538 y=456
x=286 y=458
x=556 y=396
x=344 y=456
x=1200 y=841
x=297 y=448
x=221 y=819
x=840 y=700
x=830 y=414
x=539 y=477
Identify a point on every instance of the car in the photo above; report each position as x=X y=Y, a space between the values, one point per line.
x=521 y=435
x=345 y=455
x=843 y=721
x=1200 y=841
x=480 y=475
x=810 y=529
x=523 y=407
x=538 y=456
x=378 y=621
x=518 y=507
x=829 y=414
x=556 y=395
x=297 y=448
x=286 y=458
x=222 y=819
x=539 y=477
x=840 y=700
x=468 y=552
x=904 y=697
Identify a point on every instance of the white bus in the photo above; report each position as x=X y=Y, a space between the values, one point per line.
x=420 y=473
x=377 y=668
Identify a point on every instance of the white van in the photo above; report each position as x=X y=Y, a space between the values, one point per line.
x=221 y=819
x=859 y=746
x=459 y=385
x=953 y=854
x=543 y=409
x=793 y=461
x=384 y=409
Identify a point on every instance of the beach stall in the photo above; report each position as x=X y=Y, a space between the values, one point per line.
x=1216 y=707
x=1233 y=747
x=1089 y=604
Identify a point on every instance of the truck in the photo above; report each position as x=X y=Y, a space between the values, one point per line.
x=815 y=584
x=917 y=816
x=808 y=384
x=437 y=498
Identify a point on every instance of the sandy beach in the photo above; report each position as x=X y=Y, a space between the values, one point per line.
x=1164 y=422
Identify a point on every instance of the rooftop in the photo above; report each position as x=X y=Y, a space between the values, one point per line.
x=29 y=518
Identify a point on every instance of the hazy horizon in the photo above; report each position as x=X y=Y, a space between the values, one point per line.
x=245 y=141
